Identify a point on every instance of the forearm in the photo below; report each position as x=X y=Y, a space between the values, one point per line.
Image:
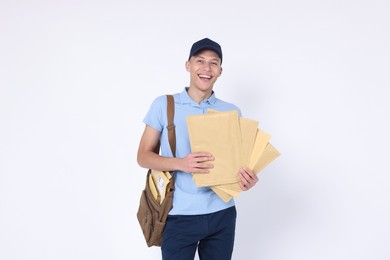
x=151 y=160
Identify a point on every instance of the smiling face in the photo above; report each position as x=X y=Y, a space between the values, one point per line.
x=204 y=68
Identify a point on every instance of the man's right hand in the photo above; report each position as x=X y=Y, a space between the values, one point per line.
x=196 y=162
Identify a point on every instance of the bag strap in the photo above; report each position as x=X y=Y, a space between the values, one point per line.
x=171 y=137
x=171 y=125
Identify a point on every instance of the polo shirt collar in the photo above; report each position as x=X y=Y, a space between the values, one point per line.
x=186 y=99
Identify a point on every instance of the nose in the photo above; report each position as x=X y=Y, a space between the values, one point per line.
x=206 y=66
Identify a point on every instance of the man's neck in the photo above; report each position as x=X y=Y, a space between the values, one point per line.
x=198 y=95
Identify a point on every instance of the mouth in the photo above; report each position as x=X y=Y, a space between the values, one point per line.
x=204 y=77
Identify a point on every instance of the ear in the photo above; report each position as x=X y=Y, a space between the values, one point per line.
x=187 y=65
x=220 y=72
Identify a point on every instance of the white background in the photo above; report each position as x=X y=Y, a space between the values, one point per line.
x=77 y=78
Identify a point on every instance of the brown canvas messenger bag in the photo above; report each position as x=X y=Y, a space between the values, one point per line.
x=152 y=214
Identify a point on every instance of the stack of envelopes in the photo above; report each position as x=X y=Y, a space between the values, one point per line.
x=235 y=142
x=158 y=182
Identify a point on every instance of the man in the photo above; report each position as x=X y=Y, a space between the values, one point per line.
x=199 y=218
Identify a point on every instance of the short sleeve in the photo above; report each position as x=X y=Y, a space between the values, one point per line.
x=156 y=115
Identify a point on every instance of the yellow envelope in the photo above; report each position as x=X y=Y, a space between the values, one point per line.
x=270 y=154
x=218 y=134
x=248 y=129
x=248 y=132
x=223 y=195
x=233 y=148
x=257 y=150
x=262 y=139
x=232 y=189
x=153 y=188
x=160 y=180
x=205 y=183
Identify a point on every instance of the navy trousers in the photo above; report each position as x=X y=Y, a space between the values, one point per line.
x=212 y=234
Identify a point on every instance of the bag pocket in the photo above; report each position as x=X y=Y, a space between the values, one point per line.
x=145 y=217
x=157 y=234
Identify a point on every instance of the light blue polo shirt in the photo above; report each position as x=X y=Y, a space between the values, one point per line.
x=187 y=199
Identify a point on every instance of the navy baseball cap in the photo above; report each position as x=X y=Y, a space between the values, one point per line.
x=205 y=44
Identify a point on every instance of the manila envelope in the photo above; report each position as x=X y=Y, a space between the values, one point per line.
x=262 y=139
x=270 y=154
x=228 y=191
x=248 y=130
x=218 y=134
x=159 y=181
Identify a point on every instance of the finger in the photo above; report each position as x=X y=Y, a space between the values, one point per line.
x=244 y=176
x=249 y=175
x=204 y=165
x=204 y=158
x=243 y=187
x=248 y=179
x=201 y=154
x=244 y=184
x=200 y=170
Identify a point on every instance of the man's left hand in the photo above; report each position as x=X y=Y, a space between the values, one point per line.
x=248 y=179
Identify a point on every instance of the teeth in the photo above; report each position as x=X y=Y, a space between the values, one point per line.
x=205 y=76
